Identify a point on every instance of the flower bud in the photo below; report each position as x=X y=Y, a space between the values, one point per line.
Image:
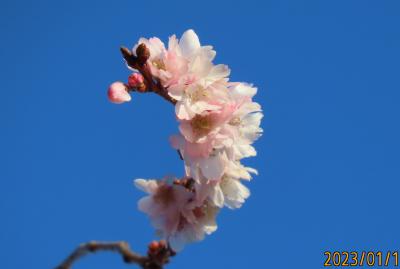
x=135 y=80
x=118 y=93
x=154 y=246
x=142 y=53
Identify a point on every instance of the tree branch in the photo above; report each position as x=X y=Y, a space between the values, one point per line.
x=155 y=259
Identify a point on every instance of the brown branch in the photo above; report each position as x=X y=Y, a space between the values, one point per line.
x=154 y=260
x=139 y=63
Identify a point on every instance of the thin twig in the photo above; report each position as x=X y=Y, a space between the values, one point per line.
x=92 y=247
x=156 y=257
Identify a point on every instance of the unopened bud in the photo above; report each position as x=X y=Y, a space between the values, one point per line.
x=154 y=246
x=118 y=93
x=142 y=53
x=135 y=80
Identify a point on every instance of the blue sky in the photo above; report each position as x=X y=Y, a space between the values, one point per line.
x=328 y=79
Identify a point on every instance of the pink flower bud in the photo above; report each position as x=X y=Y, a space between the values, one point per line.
x=118 y=93
x=154 y=246
x=135 y=80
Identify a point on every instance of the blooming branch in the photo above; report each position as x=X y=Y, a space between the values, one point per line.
x=218 y=123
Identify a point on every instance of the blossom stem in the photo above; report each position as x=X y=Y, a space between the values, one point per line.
x=152 y=85
x=121 y=247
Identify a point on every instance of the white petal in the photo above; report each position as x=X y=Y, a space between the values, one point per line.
x=148 y=186
x=207 y=52
x=210 y=224
x=181 y=111
x=212 y=168
x=175 y=92
x=235 y=193
x=201 y=106
x=172 y=43
x=216 y=73
x=252 y=170
x=189 y=43
x=244 y=151
x=146 y=204
x=243 y=89
x=217 y=196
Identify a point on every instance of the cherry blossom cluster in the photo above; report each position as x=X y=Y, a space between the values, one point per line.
x=218 y=123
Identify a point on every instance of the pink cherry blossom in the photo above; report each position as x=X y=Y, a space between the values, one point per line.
x=201 y=220
x=177 y=216
x=164 y=205
x=182 y=64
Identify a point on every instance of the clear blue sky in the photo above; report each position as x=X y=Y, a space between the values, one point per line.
x=329 y=82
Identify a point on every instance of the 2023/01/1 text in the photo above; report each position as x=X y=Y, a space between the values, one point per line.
x=363 y=258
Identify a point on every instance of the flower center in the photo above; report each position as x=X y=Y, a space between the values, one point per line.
x=159 y=64
x=201 y=125
x=198 y=94
x=198 y=212
x=235 y=121
x=164 y=195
